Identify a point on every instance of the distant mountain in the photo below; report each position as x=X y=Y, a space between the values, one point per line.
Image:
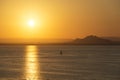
x=94 y=40
x=112 y=38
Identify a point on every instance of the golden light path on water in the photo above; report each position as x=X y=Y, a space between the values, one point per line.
x=32 y=64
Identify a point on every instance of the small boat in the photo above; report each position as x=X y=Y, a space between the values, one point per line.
x=61 y=52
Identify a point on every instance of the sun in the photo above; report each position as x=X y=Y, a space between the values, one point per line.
x=31 y=23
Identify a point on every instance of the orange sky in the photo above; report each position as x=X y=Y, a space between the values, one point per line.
x=59 y=18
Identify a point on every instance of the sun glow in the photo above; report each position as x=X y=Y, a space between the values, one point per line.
x=31 y=23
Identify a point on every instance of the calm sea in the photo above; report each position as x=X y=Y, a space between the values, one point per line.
x=33 y=62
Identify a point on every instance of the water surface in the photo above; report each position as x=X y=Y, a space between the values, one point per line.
x=44 y=62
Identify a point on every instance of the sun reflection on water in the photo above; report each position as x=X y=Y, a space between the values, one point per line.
x=32 y=65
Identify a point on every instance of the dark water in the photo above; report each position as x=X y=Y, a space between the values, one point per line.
x=34 y=62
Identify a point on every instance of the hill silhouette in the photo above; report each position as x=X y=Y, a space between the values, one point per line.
x=94 y=40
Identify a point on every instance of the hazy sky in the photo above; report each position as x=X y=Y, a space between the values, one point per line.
x=59 y=18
